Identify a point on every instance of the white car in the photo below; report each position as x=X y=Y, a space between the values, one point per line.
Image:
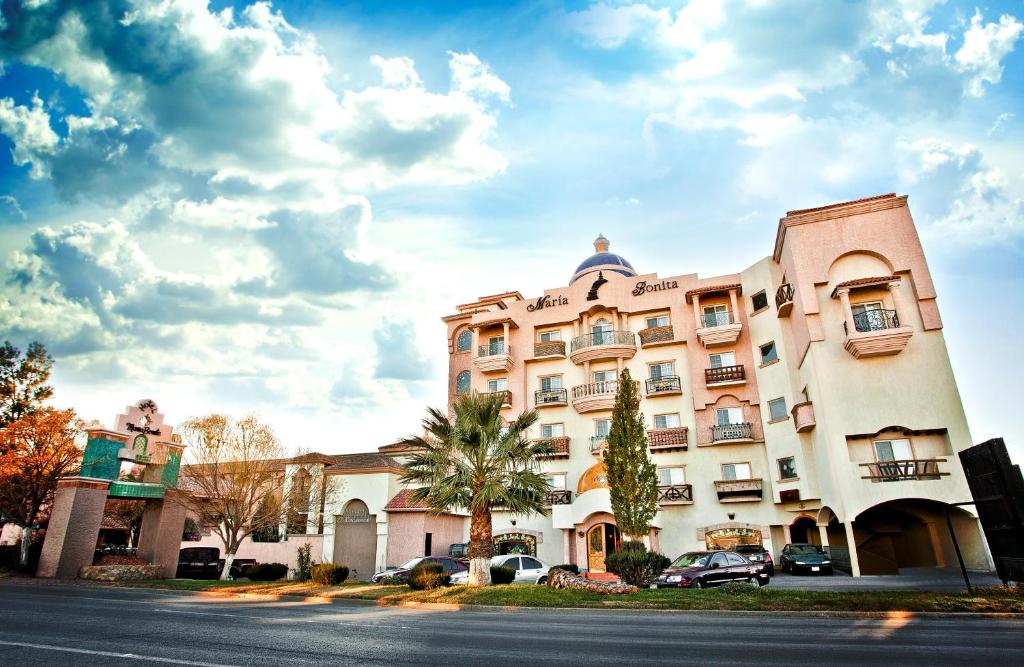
x=529 y=570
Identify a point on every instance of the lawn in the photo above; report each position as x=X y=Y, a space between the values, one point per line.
x=766 y=599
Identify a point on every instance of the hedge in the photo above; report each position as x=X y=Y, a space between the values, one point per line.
x=502 y=575
x=266 y=571
x=328 y=574
x=427 y=576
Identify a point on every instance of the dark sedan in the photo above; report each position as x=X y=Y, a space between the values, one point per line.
x=703 y=569
x=450 y=565
x=756 y=553
x=809 y=558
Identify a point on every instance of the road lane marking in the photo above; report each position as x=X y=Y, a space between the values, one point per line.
x=285 y=620
x=112 y=654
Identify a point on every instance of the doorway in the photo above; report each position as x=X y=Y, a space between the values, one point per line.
x=355 y=539
x=804 y=531
x=602 y=540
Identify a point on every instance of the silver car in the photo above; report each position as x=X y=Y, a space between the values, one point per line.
x=529 y=570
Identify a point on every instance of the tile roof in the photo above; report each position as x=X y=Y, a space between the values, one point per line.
x=367 y=461
x=714 y=288
x=864 y=282
x=403 y=502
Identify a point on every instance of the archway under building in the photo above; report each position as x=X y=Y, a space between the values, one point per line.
x=355 y=539
x=804 y=530
x=912 y=533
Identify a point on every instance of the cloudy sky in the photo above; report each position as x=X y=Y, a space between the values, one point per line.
x=233 y=206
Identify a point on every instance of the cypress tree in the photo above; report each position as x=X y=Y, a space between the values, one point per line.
x=631 y=474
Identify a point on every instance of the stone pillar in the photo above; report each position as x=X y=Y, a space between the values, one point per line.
x=788 y=535
x=823 y=533
x=851 y=544
x=566 y=545
x=844 y=298
x=74 y=526
x=160 y=537
x=698 y=322
x=735 y=306
x=892 y=297
x=504 y=336
x=476 y=341
x=933 y=535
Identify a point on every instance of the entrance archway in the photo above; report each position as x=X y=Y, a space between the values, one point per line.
x=603 y=540
x=804 y=530
x=355 y=539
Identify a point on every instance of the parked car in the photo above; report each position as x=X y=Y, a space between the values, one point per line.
x=529 y=570
x=451 y=566
x=805 y=558
x=756 y=553
x=199 y=563
x=702 y=569
x=459 y=551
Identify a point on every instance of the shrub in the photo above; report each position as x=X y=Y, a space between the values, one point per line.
x=739 y=588
x=568 y=567
x=304 y=562
x=10 y=555
x=266 y=571
x=635 y=564
x=502 y=575
x=392 y=581
x=427 y=576
x=328 y=574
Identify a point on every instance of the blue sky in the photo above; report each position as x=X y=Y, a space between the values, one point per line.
x=246 y=206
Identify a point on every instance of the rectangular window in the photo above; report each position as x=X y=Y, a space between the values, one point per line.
x=671 y=476
x=732 y=471
x=893 y=450
x=727 y=416
x=552 y=430
x=602 y=427
x=657 y=321
x=768 y=352
x=496 y=345
x=787 y=468
x=661 y=370
x=777 y=409
x=759 y=300
x=547 y=336
x=557 y=481
x=722 y=359
x=551 y=383
x=666 y=421
x=604 y=376
x=499 y=384
x=716 y=316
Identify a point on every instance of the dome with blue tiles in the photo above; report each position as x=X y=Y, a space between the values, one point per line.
x=602 y=260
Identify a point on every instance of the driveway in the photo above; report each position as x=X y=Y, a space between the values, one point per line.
x=938 y=580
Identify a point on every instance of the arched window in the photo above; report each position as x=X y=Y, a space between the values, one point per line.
x=462 y=382
x=464 y=341
x=602 y=330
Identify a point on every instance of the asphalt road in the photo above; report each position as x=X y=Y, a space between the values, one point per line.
x=67 y=624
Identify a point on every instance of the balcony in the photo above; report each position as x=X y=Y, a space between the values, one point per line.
x=664 y=386
x=559 y=446
x=594 y=396
x=552 y=349
x=550 y=398
x=667 y=439
x=725 y=376
x=718 y=329
x=598 y=443
x=732 y=433
x=739 y=490
x=561 y=497
x=654 y=336
x=901 y=471
x=803 y=416
x=602 y=345
x=784 y=299
x=877 y=333
x=506 y=396
x=676 y=494
x=491 y=358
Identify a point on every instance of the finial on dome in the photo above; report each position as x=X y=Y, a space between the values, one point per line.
x=601 y=244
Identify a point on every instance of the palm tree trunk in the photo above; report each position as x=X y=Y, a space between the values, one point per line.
x=480 y=548
x=26 y=543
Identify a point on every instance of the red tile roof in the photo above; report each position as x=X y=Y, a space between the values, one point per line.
x=363 y=462
x=864 y=282
x=714 y=288
x=403 y=502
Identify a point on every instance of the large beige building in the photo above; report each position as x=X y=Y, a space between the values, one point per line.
x=807 y=398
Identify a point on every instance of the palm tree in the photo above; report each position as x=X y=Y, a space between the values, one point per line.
x=478 y=464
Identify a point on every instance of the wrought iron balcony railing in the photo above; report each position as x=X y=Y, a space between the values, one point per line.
x=725 y=374
x=784 y=295
x=675 y=493
x=665 y=384
x=560 y=497
x=874 y=320
x=491 y=350
x=598 y=442
x=506 y=396
x=724 y=432
x=603 y=338
x=550 y=396
x=898 y=471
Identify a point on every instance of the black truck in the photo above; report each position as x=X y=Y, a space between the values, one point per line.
x=206 y=563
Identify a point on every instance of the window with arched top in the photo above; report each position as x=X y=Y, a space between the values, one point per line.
x=602 y=331
x=464 y=342
x=462 y=382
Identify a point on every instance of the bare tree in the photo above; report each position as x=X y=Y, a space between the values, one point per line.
x=235 y=480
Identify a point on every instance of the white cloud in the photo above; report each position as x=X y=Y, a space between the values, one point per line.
x=29 y=128
x=985 y=45
x=397 y=72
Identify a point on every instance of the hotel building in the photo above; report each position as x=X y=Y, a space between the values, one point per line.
x=806 y=398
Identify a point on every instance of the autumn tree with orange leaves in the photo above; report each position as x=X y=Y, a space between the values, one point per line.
x=36 y=450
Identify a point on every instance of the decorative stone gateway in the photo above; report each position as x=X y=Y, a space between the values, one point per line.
x=562 y=579
x=120 y=572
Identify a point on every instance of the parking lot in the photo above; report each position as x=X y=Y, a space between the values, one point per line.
x=939 y=580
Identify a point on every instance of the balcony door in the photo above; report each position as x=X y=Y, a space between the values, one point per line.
x=722 y=359
x=602 y=332
x=891 y=454
x=868 y=316
x=716 y=316
x=605 y=376
x=729 y=416
x=495 y=345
